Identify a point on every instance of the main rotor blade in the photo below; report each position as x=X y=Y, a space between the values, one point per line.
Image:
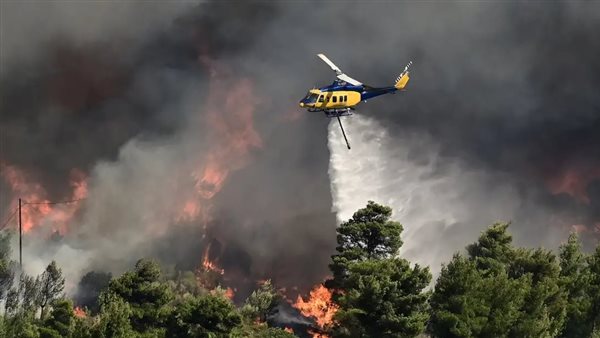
x=330 y=63
x=338 y=71
x=348 y=79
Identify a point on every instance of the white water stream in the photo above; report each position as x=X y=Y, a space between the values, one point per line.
x=441 y=206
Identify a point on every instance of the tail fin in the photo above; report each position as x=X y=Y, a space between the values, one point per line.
x=403 y=78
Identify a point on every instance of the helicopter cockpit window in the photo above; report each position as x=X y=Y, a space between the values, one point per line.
x=311 y=97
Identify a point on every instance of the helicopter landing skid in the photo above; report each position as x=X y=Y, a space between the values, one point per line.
x=331 y=113
x=338 y=112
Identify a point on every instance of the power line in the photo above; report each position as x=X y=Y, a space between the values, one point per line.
x=59 y=202
x=8 y=219
x=21 y=204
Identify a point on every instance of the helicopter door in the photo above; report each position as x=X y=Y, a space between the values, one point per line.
x=321 y=100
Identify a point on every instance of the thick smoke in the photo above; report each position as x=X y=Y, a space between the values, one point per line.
x=140 y=111
x=500 y=122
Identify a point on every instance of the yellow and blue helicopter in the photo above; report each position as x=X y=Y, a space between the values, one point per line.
x=342 y=96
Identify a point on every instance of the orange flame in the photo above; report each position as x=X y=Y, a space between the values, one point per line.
x=189 y=212
x=229 y=114
x=208 y=265
x=319 y=306
x=36 y=208
x=289 y=330
x=211 y=180
x=318 y=335
x=230 y=108
x=229 y=293
x=79 y=312
x=574 y=182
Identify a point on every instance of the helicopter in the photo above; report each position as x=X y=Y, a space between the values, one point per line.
x=342 y=96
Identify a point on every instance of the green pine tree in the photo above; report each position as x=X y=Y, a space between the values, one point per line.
x=378 y=293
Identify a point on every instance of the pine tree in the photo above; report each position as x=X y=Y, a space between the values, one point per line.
x=575 y=279
x=499 y=291
x=378 y=293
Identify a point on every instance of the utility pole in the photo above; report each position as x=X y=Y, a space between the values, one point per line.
x=20 y=238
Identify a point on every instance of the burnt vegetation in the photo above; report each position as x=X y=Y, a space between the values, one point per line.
x=491 y=289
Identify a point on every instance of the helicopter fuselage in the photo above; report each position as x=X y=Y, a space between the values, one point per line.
x=340 y=96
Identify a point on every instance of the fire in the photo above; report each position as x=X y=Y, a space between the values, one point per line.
x=319 y=306
x=229 y=112
x=229 y=293
x=79 y=184
x=211 y=180
x=208 y=265
x=79 y=312
x=189 y=212
x=574 y=182
x=289 y=330
x=36 y=207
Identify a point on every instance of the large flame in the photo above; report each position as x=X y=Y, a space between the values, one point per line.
x=230 y=108
x=229 y=112
x=36 y=207
x=231 y=135
x=318 y=306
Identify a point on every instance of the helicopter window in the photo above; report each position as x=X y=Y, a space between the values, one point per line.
x=320 y=98
x=311 y=97
x=335 y=99
x=345 y=98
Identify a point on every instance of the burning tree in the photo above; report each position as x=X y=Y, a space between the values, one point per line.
x=378 y=293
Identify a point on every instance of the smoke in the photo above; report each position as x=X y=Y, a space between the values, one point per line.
x=184 y=118
x=500 y=122
x=441 y=202
x=181 y=145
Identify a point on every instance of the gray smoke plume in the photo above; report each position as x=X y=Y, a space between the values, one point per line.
x=500 y=121
x=131 y=109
